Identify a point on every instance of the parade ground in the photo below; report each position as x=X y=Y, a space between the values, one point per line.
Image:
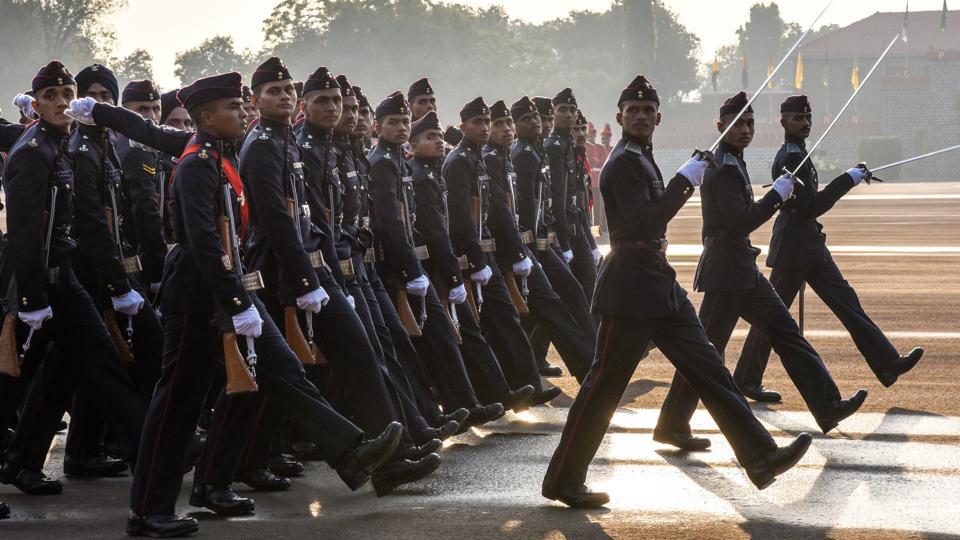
x=890 y=471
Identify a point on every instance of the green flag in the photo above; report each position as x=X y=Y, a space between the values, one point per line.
x=943 y=17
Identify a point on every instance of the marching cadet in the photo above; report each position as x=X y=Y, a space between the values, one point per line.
x=567 y=194
x=422 y=99
x=799 y=255
x=398 y=262
x=535 y=214
x=546 y=312
x=173 y=113
x=249 y=109
x=734 y=288
x=40 y=185
x=640 y=301
x=545 y=111
x=469 y=200
x=584 y=189
x=201 y=281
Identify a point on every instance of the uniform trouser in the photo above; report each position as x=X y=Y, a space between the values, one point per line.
x=582 y=264
x=763 y=309
x=390 y=327
x=622 y=342
x=567 y=287
x=483 y=364
x=191 y=346
x=826 y=280
x=501 y=327
x=550 y=319
x=76 y=330
x=441 y=357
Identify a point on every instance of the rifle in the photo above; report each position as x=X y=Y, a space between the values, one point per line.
x=453 y=319
x=241 y=372
x=475 y=298
x=303 y=346
x=131 y=265
x=413 y=326
x=517 y=296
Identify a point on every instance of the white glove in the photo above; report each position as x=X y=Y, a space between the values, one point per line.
x=34 y=319
x=784 y=186
x=596 y=256
x=693 y=170
x=128 y=304
x=482 y=276
x=523 y=268
x=351 y=301
x=858 y=174
x=313 y=300
x=568 y=256
x=458 y=294
x=81 y=110
x=418 y=286
x=248 y=322
x=25 y=104
x=155 y=287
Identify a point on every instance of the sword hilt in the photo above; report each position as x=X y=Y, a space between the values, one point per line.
x=705 y=155
x=870 y=177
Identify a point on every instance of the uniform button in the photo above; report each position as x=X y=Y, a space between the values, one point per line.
x=110 y=288
x=237 y=301
x=305 y=282
x=23 y=300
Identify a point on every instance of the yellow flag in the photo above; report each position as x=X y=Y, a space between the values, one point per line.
x=855 y=74
x=798 y=79
x=769 y=71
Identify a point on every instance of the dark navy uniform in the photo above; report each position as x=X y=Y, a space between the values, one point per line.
x=640 y=300
x=798 y=255
x=145 y=174
x=734 y=288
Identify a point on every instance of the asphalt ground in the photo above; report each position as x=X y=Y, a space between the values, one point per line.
x=891 y=471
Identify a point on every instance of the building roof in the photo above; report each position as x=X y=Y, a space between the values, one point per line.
x=867 y=37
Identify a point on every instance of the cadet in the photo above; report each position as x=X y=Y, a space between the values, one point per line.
x=733 y=287
x=545 y=111
x=584 y=191
x=422 y=99
x=546 y=312
x=535 y=214
x=640 y=300
x=799 y=255
x=39 y=182
x=399 y=263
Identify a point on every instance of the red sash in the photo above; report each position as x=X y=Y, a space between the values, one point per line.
x=235 y=182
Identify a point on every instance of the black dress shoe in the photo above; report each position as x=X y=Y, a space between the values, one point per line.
x=576 y=496
x=898 y=367
x=765 y=470
x=162 y=526
x=4 y=510
x=263 y=480
x=457 y=416
x=683 y=441
x=551 y=371
x=220 y=499
x=419 y=452
x=284 y=466
x=355 y=467
x=34 y=483
x=448 y=430
x=395 y=473
x=840 y=410
x=519 y=400
x=481 y=414
x=93 y=467
x=545 y=396
x=758 y=393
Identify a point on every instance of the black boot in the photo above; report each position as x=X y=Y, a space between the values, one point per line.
x=683 y=441
x=162 y=526
x=99 y=466
x=840 y=410
x=419 y=452
x=481 y=414
x=519 y=400
x=30 y=482
x=898 y=367
x=575 y=496
x=284 y=466
x=220 y=499
x=766 y=469
x=760 y=394
x=389 y=476
x=355 y=467
x=545 y=396
x=547 y=370
x=263 y=480
x=458 y=416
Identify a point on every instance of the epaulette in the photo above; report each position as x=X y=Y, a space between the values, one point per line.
x=793 y=148
x=634 y=148
x=729 y=159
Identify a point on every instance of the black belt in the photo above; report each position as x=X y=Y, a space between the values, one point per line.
x=658 y=245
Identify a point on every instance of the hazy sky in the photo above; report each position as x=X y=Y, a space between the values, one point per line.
x=170 y=26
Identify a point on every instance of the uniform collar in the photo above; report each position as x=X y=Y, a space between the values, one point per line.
x=389 y=146
x=210 y=141
x=727 y=149
x=646 y=147
x=50 y=130
x=473 y=146
x=314 y=132
x=272 y=125
x=801 y=142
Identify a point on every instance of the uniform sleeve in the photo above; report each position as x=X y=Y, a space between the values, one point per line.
x=645 y=218
x=9 y=133
x=198 y=191
x=431 y=227
x=169 y=141
x=739 y=219
x=318 y=218
x=526 y=167
x=391 y=228
x=261 y=166
x=26 y=189
x=558 y=184
x=824 y=200
x=464 y=234
x=91 y=229
x=140 y=175
x=501 y=220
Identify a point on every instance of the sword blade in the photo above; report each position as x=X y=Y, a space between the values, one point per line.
x=914 y=158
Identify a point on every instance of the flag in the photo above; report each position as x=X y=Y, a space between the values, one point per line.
x=714 y=71
x=855 y=74
x=906 y=14
x=826 y=70
x=943 y=17
x=770 y=71
x=798 y=78
x=744 y=75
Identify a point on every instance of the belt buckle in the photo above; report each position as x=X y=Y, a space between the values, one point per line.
x=464 y=263
x=595 y=231
x=526 y=237
x=422 y=252
x=131 y=265
x=346 y=267
x=316 y=259
x=252 y=281
x=369 y=256
x=53 y=275
x=488 y=245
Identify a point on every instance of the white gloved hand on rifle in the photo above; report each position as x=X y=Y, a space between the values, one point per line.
x=597 y=256
x=129 y=303
x=482 y=276
x=522 y=268
x=313 y=301
x=418 y=286
x=248 y=322
x=458 y=294
x=34 y=319
x=568 y=256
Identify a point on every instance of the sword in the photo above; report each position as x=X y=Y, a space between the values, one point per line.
x=909 y=160
x=709 y=153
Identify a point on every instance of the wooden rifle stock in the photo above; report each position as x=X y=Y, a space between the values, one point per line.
x=453 y=326
x=515 y=295
x=468 y=285
x=116 y=335
x=239 y=379
x=406 y=314
x=295 y=338
x=9 y=357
